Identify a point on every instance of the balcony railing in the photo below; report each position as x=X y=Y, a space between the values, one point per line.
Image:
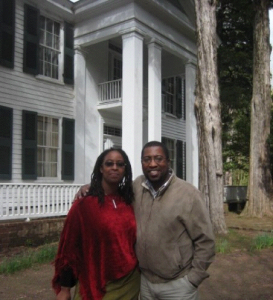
x=110 y=91
x=22 y=201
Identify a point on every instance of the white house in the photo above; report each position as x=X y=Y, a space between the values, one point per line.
x=76 y=78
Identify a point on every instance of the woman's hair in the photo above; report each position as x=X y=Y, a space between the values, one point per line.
x=125 y=188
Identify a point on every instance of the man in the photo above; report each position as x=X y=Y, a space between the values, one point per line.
x=175 y=242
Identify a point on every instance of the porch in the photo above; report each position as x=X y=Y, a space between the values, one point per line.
x=29 y=201
x=110 y=92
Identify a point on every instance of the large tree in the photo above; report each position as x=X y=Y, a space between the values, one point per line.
x=260 y=181
x=208 y=114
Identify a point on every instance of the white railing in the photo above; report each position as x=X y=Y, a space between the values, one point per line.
x=22 y=201
x=110 y=91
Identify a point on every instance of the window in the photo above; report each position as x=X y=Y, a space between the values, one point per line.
x=49 y=48
x=112 y=130
x=169 y=96
x=117 y=68
x=115 y=62
x=47 y=146
x=173 y=96
x=42 y=46
x=41 y=149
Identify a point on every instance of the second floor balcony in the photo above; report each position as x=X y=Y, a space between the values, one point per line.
x=110 y=92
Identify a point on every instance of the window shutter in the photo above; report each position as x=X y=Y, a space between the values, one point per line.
x=163 y=86
x=29 y=145
x=68 y=141
x=7 y=32
x=181 y=159
x=178 y=97
x=31 y=40
x=6 y=117
x=184 y=98
x=68 y=53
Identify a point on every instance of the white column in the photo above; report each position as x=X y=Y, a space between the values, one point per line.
x=192 y=163
x=80 y=109
x=100 y=142
x=154 y=91
x=132 y=98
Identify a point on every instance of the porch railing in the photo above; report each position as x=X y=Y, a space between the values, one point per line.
x=110 y=91
x=22 y=201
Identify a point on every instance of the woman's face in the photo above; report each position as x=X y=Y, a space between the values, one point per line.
x=112 y=168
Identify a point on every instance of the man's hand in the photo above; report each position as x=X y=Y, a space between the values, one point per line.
x=82 y=192
x=64 y=294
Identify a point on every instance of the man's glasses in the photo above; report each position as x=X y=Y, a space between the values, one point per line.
x=119 y=164
x=148 y=159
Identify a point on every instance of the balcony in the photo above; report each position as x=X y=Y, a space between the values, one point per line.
x=110 y=97
x=110 y=91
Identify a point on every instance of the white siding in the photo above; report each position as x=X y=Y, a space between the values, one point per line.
x=22 y=91
x=173 y=128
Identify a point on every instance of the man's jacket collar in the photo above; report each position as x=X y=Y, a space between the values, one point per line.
x=147 y=185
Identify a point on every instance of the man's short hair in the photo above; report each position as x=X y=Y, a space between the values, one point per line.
x=156 y=144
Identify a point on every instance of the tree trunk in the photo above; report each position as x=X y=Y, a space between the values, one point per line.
x=208 y=115
x=260 y=181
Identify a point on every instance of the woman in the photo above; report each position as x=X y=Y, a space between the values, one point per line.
x=97 y=243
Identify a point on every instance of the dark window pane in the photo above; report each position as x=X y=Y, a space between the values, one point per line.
x=49 y=39
x=56 y=28
x=49 y=25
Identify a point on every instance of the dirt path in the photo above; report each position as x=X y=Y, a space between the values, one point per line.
x=236 y=276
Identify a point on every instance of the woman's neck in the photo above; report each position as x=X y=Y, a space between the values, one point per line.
x=110 y=190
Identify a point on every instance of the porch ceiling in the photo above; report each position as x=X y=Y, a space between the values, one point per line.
x=111 y=110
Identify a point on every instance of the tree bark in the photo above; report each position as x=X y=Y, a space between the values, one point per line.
x=208 y=114
x=260 y=181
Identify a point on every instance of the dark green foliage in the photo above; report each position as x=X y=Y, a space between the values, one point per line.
x=235 y=30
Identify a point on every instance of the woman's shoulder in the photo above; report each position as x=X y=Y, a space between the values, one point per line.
x=83 y=202
x=87 y=199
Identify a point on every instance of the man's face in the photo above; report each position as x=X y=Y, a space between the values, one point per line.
x=155 y=166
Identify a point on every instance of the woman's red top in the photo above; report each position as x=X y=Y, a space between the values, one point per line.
x=97 y=243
